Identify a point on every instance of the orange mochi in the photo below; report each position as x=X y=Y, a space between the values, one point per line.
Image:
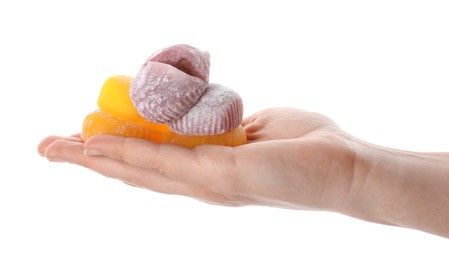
x=118 y=116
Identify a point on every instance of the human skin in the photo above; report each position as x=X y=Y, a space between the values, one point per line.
x=294 y=159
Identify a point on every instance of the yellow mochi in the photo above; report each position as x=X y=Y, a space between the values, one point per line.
x=118 y=116
x=114 y=99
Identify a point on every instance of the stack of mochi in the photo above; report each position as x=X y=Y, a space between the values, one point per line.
x=169 y=101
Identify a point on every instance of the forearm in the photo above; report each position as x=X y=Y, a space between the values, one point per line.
x=401 y=188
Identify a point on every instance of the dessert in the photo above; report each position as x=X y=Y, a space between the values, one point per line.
x=217 y=111
x=169 y=101
x=162 y=93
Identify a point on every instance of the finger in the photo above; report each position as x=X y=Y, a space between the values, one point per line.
x=219 y=188
x=205 y=165
x=253 y=130
x=249 y=119
x=136 y=152
x=253 y=126
x=48 y=140
x=73 y=152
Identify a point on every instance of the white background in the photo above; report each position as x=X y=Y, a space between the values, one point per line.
x=378 y=68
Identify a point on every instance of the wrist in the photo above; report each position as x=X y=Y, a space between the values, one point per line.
x=399 y=188
x=374 y=184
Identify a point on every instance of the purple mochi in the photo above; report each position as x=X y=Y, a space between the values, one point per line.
x=219 y=110
x=186 y=58
x=162 y=93
x=172 y=87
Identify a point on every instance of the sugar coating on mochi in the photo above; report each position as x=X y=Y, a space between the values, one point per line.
x=186 y=58
x=219 y=110
x=162 y=93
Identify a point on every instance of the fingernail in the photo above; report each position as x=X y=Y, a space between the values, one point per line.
x=56 y=159
x=92 y=152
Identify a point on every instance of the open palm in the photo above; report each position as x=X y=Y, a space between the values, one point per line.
x=293 y=159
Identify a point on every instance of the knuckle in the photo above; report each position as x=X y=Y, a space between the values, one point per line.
x=126 y=151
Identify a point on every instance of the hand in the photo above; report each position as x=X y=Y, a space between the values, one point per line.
x=294 y=159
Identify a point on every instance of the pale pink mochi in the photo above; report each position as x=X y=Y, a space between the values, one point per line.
x=186 y=58
x=162 y=93
x=219 y=110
